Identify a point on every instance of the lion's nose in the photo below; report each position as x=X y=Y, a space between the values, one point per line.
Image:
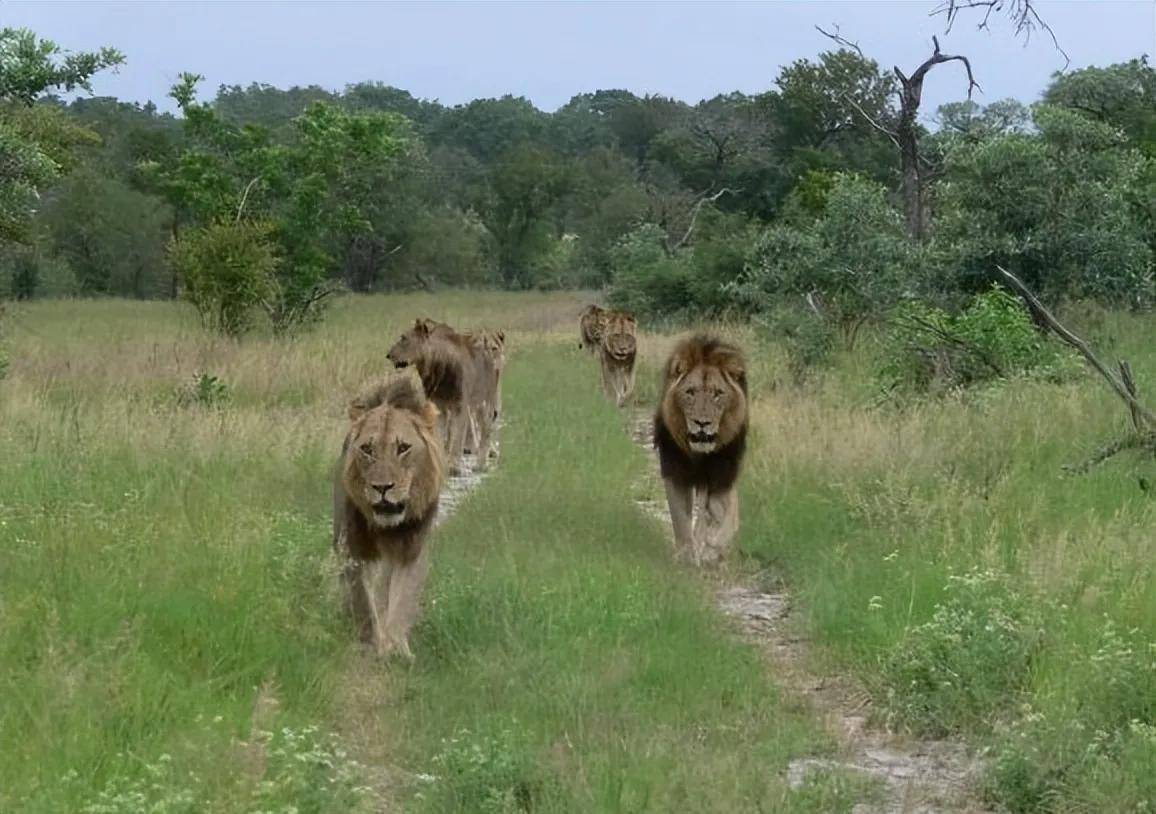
x=702 y=425
x=383 y=487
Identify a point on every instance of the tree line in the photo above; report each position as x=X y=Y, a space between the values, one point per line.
x=265 y=200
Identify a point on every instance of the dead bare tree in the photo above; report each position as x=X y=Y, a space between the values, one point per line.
x=905 y=134
x=1143 y=434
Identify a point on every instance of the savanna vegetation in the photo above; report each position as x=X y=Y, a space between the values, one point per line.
x=918 y=471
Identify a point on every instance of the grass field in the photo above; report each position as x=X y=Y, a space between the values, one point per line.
x=169 y=636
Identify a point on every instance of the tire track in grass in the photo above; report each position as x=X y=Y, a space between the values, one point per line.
x=917 y=776
x=360 y=692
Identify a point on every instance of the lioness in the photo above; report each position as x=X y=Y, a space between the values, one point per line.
x=700 y=432
x=385 y=498
x=445 y=363
x=617 y=348
x=590 y=328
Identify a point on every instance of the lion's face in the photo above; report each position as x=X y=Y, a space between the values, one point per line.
x=704 y=396
x=389 y=451
x=704 y=404
x=410 y=345
x=619 y=335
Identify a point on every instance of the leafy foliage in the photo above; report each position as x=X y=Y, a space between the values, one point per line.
x=993 y=338
x=229 y=270
x=958 y=669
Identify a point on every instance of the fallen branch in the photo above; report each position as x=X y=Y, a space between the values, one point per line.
x=1044 y=316
x=1143 y=419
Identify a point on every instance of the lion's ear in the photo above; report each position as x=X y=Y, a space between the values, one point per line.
x=501 y=336
x=421 y=327
x=678 y=368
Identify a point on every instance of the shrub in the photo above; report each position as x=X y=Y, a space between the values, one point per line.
x=203 y=390
x=647 y=278
x=854 y=259
x=807 y=338
x=1096 y=744
x=993 y=338
x=228 y=271
x=488 y=774
x=966 y=664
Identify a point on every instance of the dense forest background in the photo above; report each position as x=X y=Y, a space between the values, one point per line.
x=799 y=198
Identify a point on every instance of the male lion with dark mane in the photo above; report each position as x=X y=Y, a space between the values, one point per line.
x=700 y=432
x=385 y=497
x=618 y=347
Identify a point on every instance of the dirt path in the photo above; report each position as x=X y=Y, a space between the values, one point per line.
x=915 y=776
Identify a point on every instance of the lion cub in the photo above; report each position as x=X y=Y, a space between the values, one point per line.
x=385 y=497
x=700 y=432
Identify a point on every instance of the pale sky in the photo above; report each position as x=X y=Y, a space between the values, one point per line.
x=549 y=51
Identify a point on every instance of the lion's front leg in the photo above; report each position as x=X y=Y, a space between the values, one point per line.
x=608 y=386
x=406 y=581
x=375 y=589
x=718 y=524
x=680 y=501
x=459 y=422
x=627 y=389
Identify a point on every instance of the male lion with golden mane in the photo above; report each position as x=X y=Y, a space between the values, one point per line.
x=590 y=328
x=385 y=499
x=618 y=347
x=700 y=432
x=446 y=366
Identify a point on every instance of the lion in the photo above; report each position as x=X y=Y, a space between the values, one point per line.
x=489 y=362
x=700 y=432
x=385 y=498
x=590 y=328
x=446 y=366
x=618 y=345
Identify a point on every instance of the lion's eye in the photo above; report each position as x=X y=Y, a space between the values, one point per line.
x=691 y=391
x=402 y=447
x=366 y=450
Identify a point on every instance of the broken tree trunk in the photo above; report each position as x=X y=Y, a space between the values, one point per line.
x=1143 y=419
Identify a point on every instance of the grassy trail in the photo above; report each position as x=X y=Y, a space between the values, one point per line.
x=565 y=664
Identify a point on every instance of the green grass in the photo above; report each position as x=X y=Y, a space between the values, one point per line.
x=166 y=596
x=169 y=629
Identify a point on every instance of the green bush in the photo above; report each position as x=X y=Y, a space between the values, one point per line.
x=928 y=349
x=962 y=668
x=807 y=338
x=202 y=390
x=854 y=259
x=1096 y=745
x=487 y=774
x=227 y=271
x=647 y=277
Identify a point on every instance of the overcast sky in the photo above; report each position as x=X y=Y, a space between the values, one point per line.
x=549 y=51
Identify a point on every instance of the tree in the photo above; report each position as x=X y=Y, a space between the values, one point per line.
x=35 y=142
x=820 y=116
x=1063 y=210
x=1122 y=95
x=313 y=190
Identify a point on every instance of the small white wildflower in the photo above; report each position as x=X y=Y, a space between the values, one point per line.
x=875 y=603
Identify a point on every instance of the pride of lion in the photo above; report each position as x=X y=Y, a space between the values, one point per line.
x=443 y=398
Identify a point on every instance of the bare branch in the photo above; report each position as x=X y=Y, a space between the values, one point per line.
x=1022 y=13
x=245 y=197
x=1044 y=315
x=871 y=121
x=705 y=199
x=837 y=37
